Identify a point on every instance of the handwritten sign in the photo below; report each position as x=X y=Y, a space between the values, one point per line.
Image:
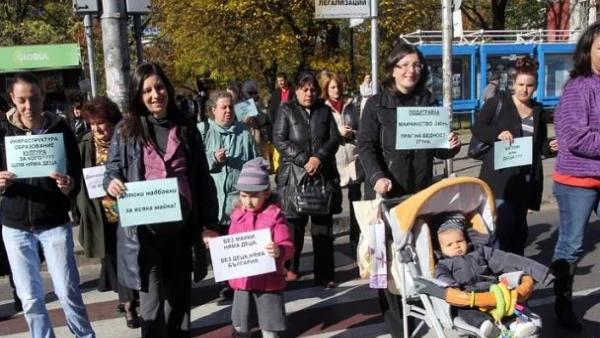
x=245 y=109
x=241 y=255
x=514 y=155
x=35 y=155
x=422 y=128
x=150 y=202
x=93 y=177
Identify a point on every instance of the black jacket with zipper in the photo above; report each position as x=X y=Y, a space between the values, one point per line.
x=409 y=170
x=37 y=203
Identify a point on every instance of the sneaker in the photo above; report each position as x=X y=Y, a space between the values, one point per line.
x=522 y=329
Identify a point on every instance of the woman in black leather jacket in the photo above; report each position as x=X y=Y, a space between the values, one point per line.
x=307 y=138
x=156 y=140
x=390 y=172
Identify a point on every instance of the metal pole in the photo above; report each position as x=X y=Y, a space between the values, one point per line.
x=89 y=39
x=137 y=26
x=374 y=43
x=447 y=66
x=352 y=68
x=116 y=50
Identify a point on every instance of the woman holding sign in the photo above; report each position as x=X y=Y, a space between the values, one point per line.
x=157 y=141
x=390 y=172
x=97 y=215
x=516 y=189
x=35 y=208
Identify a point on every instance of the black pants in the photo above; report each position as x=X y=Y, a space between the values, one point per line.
x=354 y=194
x=321 y=231
x=391 y=308
x=166 y=264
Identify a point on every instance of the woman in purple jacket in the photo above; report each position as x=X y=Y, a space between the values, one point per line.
x=577 y=172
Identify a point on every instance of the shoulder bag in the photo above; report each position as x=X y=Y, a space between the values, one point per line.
x=478 y=148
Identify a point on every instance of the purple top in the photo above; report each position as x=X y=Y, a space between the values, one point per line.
x=577 y=123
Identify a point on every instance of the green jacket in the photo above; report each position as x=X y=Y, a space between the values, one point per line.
x=240 y=148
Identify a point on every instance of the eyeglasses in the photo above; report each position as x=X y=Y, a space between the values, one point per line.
x=417 y=67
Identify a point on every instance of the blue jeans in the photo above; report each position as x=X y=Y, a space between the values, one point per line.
x=511 y=227
x=575 y=206
x=57 y=243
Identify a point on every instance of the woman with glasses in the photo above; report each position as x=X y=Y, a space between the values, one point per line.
x=390 y=172
x=307 y=138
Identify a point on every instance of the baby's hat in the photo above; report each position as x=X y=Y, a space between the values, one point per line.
x=452 y=220
x=254 y=176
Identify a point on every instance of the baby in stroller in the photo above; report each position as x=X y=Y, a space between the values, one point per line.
x=475 y=268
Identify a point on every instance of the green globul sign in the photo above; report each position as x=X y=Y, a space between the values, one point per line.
x=39 y=57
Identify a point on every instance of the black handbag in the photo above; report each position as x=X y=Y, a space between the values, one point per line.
x=478 y=148
x=312 y=196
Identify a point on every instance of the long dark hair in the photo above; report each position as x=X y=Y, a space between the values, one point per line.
x=400 y=50
x=582 y=64
x=135 y=126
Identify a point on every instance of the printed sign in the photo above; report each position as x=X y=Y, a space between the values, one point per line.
x=422 y=128
x=245 y=109
x=150 y=202
x=342 y=9
x=93 y=177
x=35 y=155
x=241 y=255
x=513 y=155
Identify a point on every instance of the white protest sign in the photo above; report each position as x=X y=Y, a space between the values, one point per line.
x=93 y=177
x=241 y=255
x=35 y=155
x=150 y=202
x=422 y=128
x=513 y=155
x=342 y=9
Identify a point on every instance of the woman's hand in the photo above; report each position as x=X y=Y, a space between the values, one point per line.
x=346 y=131
x=383 y=186
x=220 y=155
x=116 y=188
x=273 y=250
x=208 y=234
x=312 y=166
x=553 y=145
x=63 y=181
x=506 y=136
x=6 y=179
x=453 y=139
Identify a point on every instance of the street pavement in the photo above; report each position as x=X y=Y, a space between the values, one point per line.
x=351 y=309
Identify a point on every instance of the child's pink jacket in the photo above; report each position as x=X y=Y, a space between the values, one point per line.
x=268 y=218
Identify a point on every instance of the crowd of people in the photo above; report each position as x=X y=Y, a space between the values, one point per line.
x=317 y=140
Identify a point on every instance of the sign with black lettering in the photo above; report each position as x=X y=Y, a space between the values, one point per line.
x=150 y=202
x=35 y=155
x=517 y=154
x=422 y=128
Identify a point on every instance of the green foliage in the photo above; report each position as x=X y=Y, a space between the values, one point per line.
x=526 y=14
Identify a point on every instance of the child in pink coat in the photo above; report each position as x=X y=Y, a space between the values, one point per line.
x=262 y=294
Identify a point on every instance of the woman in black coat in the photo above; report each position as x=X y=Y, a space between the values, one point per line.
x=390 y=172
x=307 y=138
x=516 y=189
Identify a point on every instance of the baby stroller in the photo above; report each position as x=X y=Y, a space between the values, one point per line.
x=413 y=264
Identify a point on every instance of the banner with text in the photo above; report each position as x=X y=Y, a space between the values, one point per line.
x=150 y=202
x=93 y=177
x=35 y=155
x=422 y=128
x=513 y=155
x=241 y=255
x=342 y=9
x=245 y=109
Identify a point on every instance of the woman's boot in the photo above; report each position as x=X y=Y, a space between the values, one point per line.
x=563 y=289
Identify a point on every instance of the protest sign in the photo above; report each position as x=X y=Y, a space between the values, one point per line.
x=35 y=155
x=93 y=177
x=241 y=255
x=245 y=109
x=513 y=155
x=150 y=202
x=422 y=128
